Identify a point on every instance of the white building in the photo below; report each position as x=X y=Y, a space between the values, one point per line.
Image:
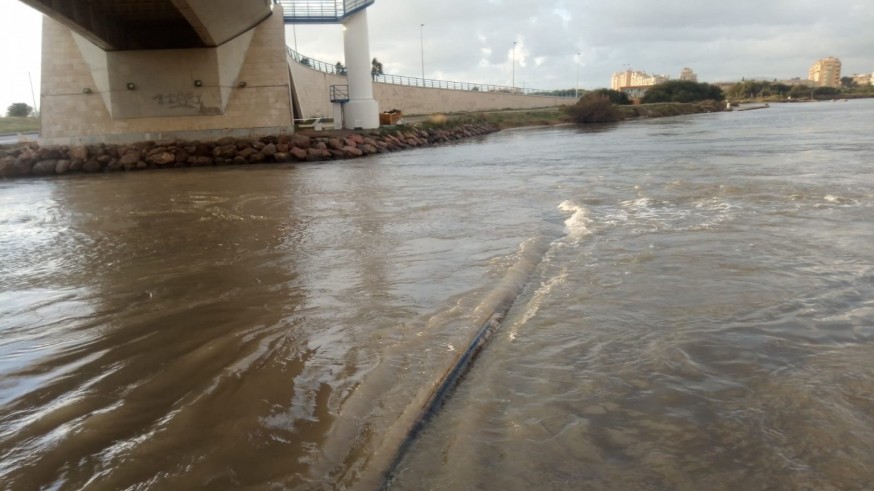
x=826 y=72
x=863 y=79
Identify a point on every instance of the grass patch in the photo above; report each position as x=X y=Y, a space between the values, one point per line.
x=665 y=109
x=516 y=118
x=19 y=125
x=527 y=117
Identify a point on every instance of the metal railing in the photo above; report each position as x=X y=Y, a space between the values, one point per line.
x=316 y=64
x=339 y=93
x=318 y=123
x=427 y=82
x=320 y=11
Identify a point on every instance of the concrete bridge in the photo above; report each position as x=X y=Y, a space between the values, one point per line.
x=129 y=70
x=132 y=70
x=130 y=25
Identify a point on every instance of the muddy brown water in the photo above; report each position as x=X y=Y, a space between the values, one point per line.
x=693 y=308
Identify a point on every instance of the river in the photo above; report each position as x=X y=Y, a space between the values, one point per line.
x=692 y=307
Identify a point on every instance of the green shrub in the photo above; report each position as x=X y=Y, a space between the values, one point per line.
x=616 y=96
x=18 y=110
x=594 y=108
x=682 y=91
x=826 y=92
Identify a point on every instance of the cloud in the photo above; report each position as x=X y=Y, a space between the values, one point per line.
x=472 y=40
x=20 y=45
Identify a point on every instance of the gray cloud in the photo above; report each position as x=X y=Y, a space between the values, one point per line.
x=471 y=40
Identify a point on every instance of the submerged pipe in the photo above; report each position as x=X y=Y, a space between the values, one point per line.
x=444 y=389
x=453 y=376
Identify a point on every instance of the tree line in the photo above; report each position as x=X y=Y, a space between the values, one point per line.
x=763 y=89
x=18 y=110
x=601 y=105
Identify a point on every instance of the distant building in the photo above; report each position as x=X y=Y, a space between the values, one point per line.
x=688 y=74
x=826 y=72
x=798 y=81
x=863 y=79
x=633 y=78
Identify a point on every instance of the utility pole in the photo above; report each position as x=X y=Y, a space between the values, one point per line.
x=577 y=86
x=422 y=46
x=32 y=96
x=514 y=68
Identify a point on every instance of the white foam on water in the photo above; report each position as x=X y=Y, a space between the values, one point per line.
x=841 y=201
x=533 y=305
x=531 y=253
x=578 y=223
x=714 y=204
x=576 y=227
x=638 y=204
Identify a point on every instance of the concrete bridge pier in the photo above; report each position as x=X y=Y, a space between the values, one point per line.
x=362 y=110
x=232 y=80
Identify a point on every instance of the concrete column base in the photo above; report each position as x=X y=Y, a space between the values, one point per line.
x=361 y=114
x=338 y=115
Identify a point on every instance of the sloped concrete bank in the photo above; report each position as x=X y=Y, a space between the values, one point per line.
x=31 y=160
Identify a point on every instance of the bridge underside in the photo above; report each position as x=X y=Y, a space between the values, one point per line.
x=116 y=25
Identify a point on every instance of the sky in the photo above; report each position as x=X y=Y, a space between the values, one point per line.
x=557 y=41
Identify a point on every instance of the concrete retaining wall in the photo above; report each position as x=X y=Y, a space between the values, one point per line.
x=312 y=91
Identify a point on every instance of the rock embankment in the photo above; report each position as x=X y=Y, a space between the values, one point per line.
x=32 y=160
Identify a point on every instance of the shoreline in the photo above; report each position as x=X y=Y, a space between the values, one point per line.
x=538 y=118
x=28 y=160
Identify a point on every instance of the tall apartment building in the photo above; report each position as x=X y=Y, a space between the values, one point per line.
x=688 y=74
x=826 y=72
x=633 y=78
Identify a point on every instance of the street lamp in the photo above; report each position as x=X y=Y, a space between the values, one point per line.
x=422 y=46
x=577 y=87
x=514 y=68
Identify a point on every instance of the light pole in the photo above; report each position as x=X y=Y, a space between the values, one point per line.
x=31 y=93
x=422 y=46
x=577 y=86
x=513 y=80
